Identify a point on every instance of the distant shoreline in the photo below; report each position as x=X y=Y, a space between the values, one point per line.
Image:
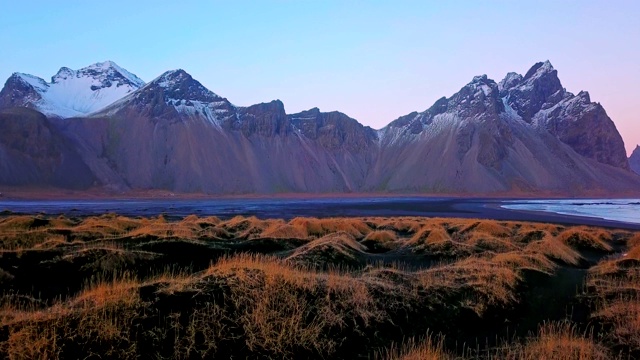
x=22 y=193
x=290 y=207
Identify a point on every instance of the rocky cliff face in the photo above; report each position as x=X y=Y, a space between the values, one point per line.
x=634 y=160
x=34 y=153
x=525 y=134
x=175 y=134
x=539 y=99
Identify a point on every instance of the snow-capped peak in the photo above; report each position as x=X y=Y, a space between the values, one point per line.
x=30 y=80
x=481 y=83
x=179 y=91
x=73 y=93
x=189 y=97
x=539 y=70
x=479 y=79
x=179 y=85
x=103 y=71
x=512 y=79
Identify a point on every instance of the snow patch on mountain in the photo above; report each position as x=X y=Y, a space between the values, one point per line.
x=212 y=112
x=73 y=93
x=36 y=82
x=180 y=91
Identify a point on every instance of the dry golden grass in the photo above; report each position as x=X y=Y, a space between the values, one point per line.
x=486 y=283
x=381 y=236
x=554 y=249
x=429 y=235
x=281 y=230
x=24 y=240
x=245 y=228
x=489 y=227
x=633 y=247
x=434 y=240
x=102 y=314
x=51 y=242
x=274 y=317
x=518 y=260
x=634 y=253
x=122 y=290
x=320 y=227
x=623 y=315
x=22 y=222
x=583 y=238
x=556 y=341
x=526 y=227
x=431 y=348
x=337 y=249
x=107 y=225
x=486 y=242
x=381 y=240
x=163 y=229
x=314 y=300
x=614 y=284
x=399 y=225
x=634 y=241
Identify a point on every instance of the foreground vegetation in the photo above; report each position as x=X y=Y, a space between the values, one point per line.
x=386 y=288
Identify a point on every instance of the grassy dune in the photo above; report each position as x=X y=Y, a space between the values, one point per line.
x=385 y=288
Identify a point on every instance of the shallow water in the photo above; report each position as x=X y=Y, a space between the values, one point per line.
x=264 y=208
x=625 y=210
x=574 y=211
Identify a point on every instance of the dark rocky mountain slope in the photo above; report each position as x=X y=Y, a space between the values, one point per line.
x=634 y=160
x=526 y=134
x=34 y=153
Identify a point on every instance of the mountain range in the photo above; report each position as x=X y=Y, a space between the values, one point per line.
x=101 y=127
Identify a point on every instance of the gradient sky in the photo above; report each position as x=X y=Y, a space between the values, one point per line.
x=374 y=60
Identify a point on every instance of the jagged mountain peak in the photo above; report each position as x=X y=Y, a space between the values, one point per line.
x=539 y=88
x=585 y=96
x=536 y=101
x=478 y=97
x=314 y=111
x=334 y=130
x=479 y=79
x=29 y=80
x=476 y=141
x=178 y=85
x=481 y=83
x=540 y=69
x=172 y=77
x=62 y=74
x=71 y=93
x=106 y=72
x=510 y=80
x=172 y=95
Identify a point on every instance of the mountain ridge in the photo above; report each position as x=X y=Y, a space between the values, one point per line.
x=523 y=134
x=634 y=160
x=70 y=93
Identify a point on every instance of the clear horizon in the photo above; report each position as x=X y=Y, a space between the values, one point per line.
x=375 y=61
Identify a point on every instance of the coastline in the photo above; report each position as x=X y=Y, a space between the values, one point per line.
x=25 y=193
x=296 y=206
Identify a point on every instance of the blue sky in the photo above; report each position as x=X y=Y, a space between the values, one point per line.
x=374 y=60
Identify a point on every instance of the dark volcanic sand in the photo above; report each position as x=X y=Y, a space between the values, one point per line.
x=287 y=208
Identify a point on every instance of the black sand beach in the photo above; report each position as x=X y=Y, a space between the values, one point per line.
x=288 y=208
